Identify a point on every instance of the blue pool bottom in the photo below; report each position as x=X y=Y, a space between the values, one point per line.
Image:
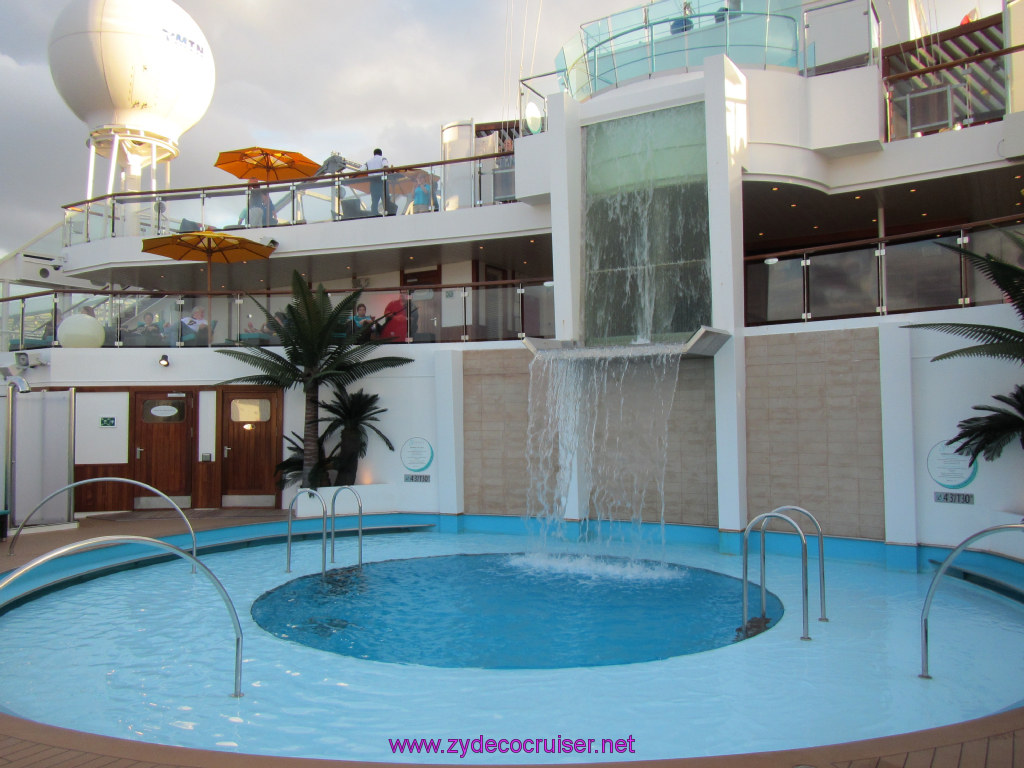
x=159 y=668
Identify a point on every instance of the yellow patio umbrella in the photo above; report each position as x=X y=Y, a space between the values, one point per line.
x=264 y=164
x=209 y=247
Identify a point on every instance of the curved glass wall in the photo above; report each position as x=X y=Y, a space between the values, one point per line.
x=680 y=34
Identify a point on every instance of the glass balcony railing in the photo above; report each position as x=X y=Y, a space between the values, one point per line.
x=908 y=274
x=677 y=35
x=443 y=313
x=482 y=180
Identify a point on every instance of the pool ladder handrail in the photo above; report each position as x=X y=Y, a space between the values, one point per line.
x=323 y=545
x=821 y=554
x=106 y=541
x=161 y=494
x=763 y=520
x=359 y=514
x=926 y=609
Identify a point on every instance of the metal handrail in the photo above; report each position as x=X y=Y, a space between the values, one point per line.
x=104 y=541
x=359 y=501
x=323 y=546
x=935 y=583
x=191 y=531
x=821 y=553
x=803 y=570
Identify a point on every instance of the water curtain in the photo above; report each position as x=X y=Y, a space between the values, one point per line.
x=597 y=439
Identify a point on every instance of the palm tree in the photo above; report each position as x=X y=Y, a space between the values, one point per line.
x=351 y=415
x=993 y=340
x=986 y=436
x=320 y=347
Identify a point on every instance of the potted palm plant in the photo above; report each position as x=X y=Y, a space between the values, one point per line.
x=352 y=416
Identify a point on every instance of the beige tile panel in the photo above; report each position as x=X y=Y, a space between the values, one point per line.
x=814 y=428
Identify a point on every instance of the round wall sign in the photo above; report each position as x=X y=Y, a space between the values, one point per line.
x=164 y=411
x=948 y=468
x=417 y=454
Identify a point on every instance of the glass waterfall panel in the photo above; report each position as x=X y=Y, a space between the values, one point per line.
x=646 y=246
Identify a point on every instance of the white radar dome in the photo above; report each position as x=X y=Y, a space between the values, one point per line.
x=145 y=66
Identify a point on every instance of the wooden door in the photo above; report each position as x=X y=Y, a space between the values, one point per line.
x=162 y=446
x=251 y=426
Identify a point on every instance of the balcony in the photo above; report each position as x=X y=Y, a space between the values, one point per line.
x=433 y=188
x=467 y=312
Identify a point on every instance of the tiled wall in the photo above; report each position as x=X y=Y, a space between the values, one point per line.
x=814 y=428
x=496 y=388
x=691 y=481
x=496 y=385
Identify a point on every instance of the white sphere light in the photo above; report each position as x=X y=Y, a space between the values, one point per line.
x=81 y=331
x=144 y=66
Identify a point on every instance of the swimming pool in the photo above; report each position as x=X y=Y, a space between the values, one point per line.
x=98 y=657
x=510 y=611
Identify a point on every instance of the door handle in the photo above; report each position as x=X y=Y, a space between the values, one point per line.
x=227 y=450
x=138 y=453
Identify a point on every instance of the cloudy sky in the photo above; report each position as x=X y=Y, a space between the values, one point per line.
x=311 y=75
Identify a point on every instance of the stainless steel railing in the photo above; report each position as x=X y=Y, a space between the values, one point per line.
x=104 y=541
x=926 y=609
x=161 y=494
x=821 y=553
x=803 y=568
x=323 y=547
x=359 y=502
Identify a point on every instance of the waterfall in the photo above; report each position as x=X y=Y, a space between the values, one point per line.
x=598 y=432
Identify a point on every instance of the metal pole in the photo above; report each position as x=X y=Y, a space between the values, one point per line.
x=9 y=453
x=71 y=452
x=935 y=583
x=104 y=541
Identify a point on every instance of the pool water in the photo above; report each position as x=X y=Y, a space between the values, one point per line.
x=511 y=611
x=149 y=654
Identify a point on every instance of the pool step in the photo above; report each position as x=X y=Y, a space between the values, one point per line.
x=973 y=577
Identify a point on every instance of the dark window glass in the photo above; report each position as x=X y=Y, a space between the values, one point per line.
x=162 y=411
x=841 y=284
x=921 y=275
x=775 y=292
x=994 y=242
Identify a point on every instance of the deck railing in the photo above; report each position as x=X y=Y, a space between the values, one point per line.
x=909 y=273
x=464 y=312
x=411 y=189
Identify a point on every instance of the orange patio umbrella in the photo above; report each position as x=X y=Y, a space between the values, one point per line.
x=264 y=164
x=208 y=247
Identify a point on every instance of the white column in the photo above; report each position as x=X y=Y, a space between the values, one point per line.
x=448 y=405
x=899 y=491
x=567 y=199
x=726 y=126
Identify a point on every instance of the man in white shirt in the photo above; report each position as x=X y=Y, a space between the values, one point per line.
x=378 y=188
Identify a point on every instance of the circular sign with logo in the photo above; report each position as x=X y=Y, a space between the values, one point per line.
x=417 y=454
x=949 y=469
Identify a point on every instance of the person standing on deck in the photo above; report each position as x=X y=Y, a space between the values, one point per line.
x=378 y=188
